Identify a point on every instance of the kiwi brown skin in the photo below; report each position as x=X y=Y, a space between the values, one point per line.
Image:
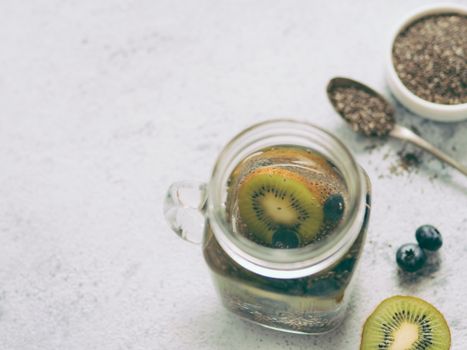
x=418 y=300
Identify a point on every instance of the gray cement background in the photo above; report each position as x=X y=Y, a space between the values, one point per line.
x=105 y=103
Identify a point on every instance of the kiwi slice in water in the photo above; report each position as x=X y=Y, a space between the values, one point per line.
x=405 y=323
x=270 y=199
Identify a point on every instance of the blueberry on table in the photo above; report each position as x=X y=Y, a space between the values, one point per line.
x=285 y=238
x=333 y=208
x=428 y=237
x=410 y=257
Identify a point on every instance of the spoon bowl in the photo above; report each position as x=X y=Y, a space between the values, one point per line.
x=363 y=119
x=342 y=82
x=363 y=108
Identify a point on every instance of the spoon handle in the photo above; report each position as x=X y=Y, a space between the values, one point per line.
x=403 y=133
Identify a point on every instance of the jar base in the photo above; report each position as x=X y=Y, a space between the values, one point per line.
x=311 y=332
x=300 y=314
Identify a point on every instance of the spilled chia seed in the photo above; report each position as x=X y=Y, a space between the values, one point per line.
x=407 y=162
x=430 y=58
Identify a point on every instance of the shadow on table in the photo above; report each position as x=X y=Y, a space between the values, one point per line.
x=432 y=266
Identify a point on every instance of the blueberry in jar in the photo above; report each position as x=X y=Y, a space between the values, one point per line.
x=333 y=208
x=285 y=238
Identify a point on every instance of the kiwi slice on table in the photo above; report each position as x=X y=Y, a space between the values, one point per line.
x=273 y=199
x=405 y=323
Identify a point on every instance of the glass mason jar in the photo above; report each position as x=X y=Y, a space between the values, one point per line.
x=301 y=290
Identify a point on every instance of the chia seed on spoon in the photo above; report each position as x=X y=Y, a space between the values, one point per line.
x=370 y=114
x=367 y=112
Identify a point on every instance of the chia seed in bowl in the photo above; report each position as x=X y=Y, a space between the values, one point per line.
x=430 y=58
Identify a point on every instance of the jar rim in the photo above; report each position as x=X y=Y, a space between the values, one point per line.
x=281 y=263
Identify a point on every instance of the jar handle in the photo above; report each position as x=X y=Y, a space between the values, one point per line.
x=184 y=207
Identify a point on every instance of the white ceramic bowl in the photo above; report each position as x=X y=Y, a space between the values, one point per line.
x=434 y=111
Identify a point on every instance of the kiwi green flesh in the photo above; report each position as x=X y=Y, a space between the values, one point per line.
x=405 y=323
x=268 y=202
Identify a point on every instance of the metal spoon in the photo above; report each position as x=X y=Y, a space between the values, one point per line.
x=375 y=127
